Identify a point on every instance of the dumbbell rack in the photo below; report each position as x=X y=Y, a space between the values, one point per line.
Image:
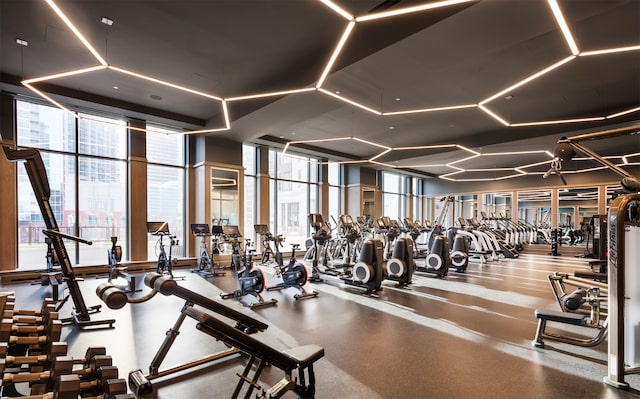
x=31 y=352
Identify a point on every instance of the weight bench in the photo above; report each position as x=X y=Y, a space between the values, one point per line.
x=300 y=359
x=575 y=319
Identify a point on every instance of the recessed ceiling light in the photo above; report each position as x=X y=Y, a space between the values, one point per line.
x=397 y=98
x=337 y=91
x=293 y=133
x=116 y=87
x=391 y=127
x=22 y=42
x=155 y=97
x=509 y=97
x=107 y=21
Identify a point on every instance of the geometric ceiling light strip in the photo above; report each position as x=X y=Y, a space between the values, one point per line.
x=528 y=79
x=636 y=109
x=448 y=176
x=557 y=13
x=436 y=146
x=407 y=10
x=414 y=111
x=76 y=32
x=337 y=9
x=165 y=83
x=493 y=115
x=348 y=101
x=290 y=143
x=272 y=94
x=559 y=121
x=336 y=52
x=609 y=51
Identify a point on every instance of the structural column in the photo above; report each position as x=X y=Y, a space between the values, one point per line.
x=8 y=194
x=137 y=193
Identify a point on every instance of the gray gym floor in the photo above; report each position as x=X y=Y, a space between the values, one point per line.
x=466 y=336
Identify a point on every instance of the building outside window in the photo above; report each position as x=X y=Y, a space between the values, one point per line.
x=393 y=204
x=293 y=195
x=85 y=160
x=166 y=186
x=335 y=197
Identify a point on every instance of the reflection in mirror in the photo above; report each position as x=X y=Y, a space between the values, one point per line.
x=497 y=205
x=534 y=208
x=224 y=196
x=613 y=192
x=466 y=207
x=576 y=208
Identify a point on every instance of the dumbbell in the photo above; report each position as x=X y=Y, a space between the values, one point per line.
x=48 y=305
x=52 y=335
x=91 y=368
x=56 y=349
x=6 y=297
x=98 y=384
x=10 y=331
x=113 y=389
x=62 y=365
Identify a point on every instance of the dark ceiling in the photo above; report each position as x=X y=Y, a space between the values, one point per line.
x=461 y=54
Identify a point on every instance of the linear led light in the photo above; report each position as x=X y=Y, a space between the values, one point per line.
x=467 y=149
x=164 y=83
x=379 y=155
x=531 y=165
x=450 y=164
x=382 y=164
x=494 y=116
x=194 y=132
x=225 y=112
x=76 y=32
x=336 y=52
x=424 y=147
x=337 y=9
x=407 y=10
x=38 y=92
x=286 y=146
x=342 y=162
x=609 y=50
x=272 y=94
x=560 y=121
x=22 y=42
x=415 y=111
x=491 y=154
x=557 y=13
x=64 y=74
x=623 y=113
x=346 y=100
x=529 y=79
x=371 y=143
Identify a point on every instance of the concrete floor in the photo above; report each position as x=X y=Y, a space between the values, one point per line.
x=466 y=336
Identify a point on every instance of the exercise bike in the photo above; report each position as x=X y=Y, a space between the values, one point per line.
x=114 y=256
x=294 y=275
x=251 y=280
x=205 y=262
x=165 y=263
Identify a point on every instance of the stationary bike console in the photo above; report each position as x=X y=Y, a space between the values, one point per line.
x=158 y=228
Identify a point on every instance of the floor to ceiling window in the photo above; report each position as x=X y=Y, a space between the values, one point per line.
x=293 y=195
x=85 y=160
x=335 y=197
x=393 y=187
x=166 y=187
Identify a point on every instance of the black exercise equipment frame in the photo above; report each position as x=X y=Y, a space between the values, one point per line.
x=81 y=315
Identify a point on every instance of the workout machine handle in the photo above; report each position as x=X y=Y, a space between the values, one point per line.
x=50 y=233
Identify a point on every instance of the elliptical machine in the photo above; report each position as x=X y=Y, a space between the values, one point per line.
x=367 y=272
x=400 y=266
x=438 y=261
x=294 y=275
x=251 y=280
